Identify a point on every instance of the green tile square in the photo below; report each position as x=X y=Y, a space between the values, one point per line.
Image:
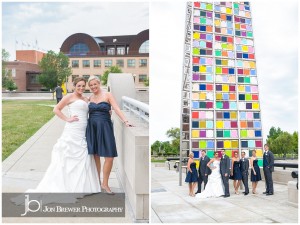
x=260 y=162
x=209 y=7
x=218 y=70
x=249 y=34
x=244 y=133
x=202 y=144
x=228 y=153
x=218 y=52
x=219 y=105
x=210 y=154
x=203 y=20
x=247 y=80
x=196 y=51
x=227 y=133
x=236 y=5
x=248 y=97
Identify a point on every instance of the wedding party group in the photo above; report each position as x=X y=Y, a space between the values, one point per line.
x=215 y=173
x=88 y=135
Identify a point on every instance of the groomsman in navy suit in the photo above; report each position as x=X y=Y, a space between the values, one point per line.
x=268 y=166
x=203 y=170
x=245 y=172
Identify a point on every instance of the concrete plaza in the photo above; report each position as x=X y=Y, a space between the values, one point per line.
x=26 y=166
x=171 y=203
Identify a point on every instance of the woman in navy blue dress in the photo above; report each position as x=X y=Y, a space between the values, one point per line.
x=236 y=174
x=99 y=132
x=255 y=172
x=192 y=175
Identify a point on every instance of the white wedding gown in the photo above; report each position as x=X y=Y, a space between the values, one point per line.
x=72 y=169
x=214 y=186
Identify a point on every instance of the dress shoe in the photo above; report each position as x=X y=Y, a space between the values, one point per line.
x=265 y=192
x=226 y=196
x=246 y=193
x=270 y=193
x=197 y=192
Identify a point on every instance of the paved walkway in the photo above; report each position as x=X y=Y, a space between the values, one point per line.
x=27 y=165
x=171 y=204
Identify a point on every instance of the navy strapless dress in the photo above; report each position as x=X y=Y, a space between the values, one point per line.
x=99 y=132
x=192 y=177
x=256 y=177
x=237 y=174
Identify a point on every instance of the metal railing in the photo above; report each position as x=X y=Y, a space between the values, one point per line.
x=140 y=109
x=286 y=165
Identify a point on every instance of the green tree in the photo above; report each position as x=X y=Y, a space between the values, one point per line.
x=5 y=74
x=112 y=69
x=11 y=85
x=273 y=134
x=55 y=69
x=174 y=134
x=155 y=147
x=295 y=141
x=146 y=82
x=283 y=144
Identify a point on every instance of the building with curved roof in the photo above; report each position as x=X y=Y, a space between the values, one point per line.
x=93 y=55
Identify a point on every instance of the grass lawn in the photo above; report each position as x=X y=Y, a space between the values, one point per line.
x=21 y=119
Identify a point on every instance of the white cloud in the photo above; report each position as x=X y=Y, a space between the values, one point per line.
x=52 y=22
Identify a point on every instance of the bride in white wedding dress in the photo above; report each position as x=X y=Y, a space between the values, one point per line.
x=72 y=169
x=214 y=186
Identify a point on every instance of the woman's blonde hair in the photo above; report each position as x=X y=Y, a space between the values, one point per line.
x=191 y=154
x=93 y=78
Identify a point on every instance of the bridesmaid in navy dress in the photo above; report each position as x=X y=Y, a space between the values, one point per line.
x=255 y=172
x=236 y=174
x=99 y=132
x=192 y=175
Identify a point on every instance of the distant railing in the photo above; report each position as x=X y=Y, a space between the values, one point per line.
x=138 y=108
x=286 y=165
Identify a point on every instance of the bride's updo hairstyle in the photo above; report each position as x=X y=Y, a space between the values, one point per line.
x=93 y=78
x=191 y=155
x=78 y=79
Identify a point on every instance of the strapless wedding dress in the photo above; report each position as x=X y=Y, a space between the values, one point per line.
x=72 y=169
x=214 y=186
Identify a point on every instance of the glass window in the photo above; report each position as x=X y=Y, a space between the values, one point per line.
x=144 y=48
x=110 y=51
x=75 y=63
x=97 y=63
x=33 y=79
x=130 y=62
x=120 y=50
x=73 y=77
x=120 y=62
x=81 y=48
x=107 y=62
x=142 y=78
x=86 y=77
x=143 y=62
x=85 y=63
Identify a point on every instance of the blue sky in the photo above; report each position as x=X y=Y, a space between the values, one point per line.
x=50 y=23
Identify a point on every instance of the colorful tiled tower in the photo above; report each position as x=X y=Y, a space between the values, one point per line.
x=220 y=99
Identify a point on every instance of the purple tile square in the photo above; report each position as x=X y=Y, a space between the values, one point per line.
x=249 y=105
x=202 y=133
x=195 y=77
x=225 y=105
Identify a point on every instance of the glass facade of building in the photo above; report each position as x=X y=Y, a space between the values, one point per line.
x=224 y=98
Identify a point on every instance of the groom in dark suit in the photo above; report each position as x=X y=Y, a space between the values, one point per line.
x=244 y=169
x=225 y=171
x=203 y=170
x=268 y=166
